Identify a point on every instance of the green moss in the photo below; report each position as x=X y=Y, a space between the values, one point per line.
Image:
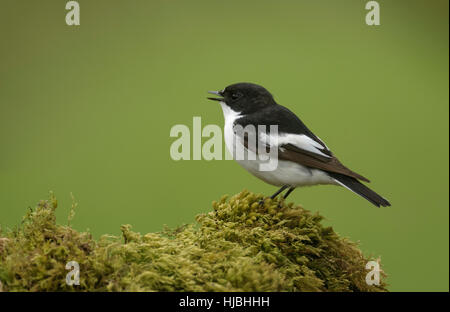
x=239 y=246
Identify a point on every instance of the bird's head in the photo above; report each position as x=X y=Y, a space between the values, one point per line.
x=244 y=97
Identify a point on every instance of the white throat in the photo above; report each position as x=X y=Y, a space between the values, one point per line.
x=229 y=114
x=228 y=132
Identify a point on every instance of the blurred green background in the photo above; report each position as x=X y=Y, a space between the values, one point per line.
x=88 y=110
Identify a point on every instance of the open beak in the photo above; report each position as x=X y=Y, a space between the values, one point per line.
x=218 y=93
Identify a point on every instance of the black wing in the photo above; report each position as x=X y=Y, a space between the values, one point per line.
x=305 y=148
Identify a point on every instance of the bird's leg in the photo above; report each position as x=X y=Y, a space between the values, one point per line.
x=279 y=191
x=261 y=202
x=286 y=195
x=288 y=192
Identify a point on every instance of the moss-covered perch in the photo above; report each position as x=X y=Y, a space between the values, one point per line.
x=239 y=246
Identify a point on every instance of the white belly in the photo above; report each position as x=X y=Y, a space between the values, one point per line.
x=287 y=173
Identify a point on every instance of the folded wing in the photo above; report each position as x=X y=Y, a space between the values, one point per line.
x=303 y=150
x=310 y=159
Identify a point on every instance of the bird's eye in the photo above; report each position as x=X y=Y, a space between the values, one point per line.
x=235 y=96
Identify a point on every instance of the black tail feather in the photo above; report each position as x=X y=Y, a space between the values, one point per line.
x=357 y=187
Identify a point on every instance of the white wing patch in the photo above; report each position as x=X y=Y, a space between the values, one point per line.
x=299 y=140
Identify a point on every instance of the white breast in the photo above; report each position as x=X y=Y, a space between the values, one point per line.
x=230 y=117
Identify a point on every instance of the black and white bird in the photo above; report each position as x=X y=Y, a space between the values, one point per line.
x=303 y=159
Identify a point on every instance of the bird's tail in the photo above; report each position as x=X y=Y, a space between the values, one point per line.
x=357 y=187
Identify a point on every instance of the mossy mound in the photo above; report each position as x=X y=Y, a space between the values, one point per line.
x=239 y=246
